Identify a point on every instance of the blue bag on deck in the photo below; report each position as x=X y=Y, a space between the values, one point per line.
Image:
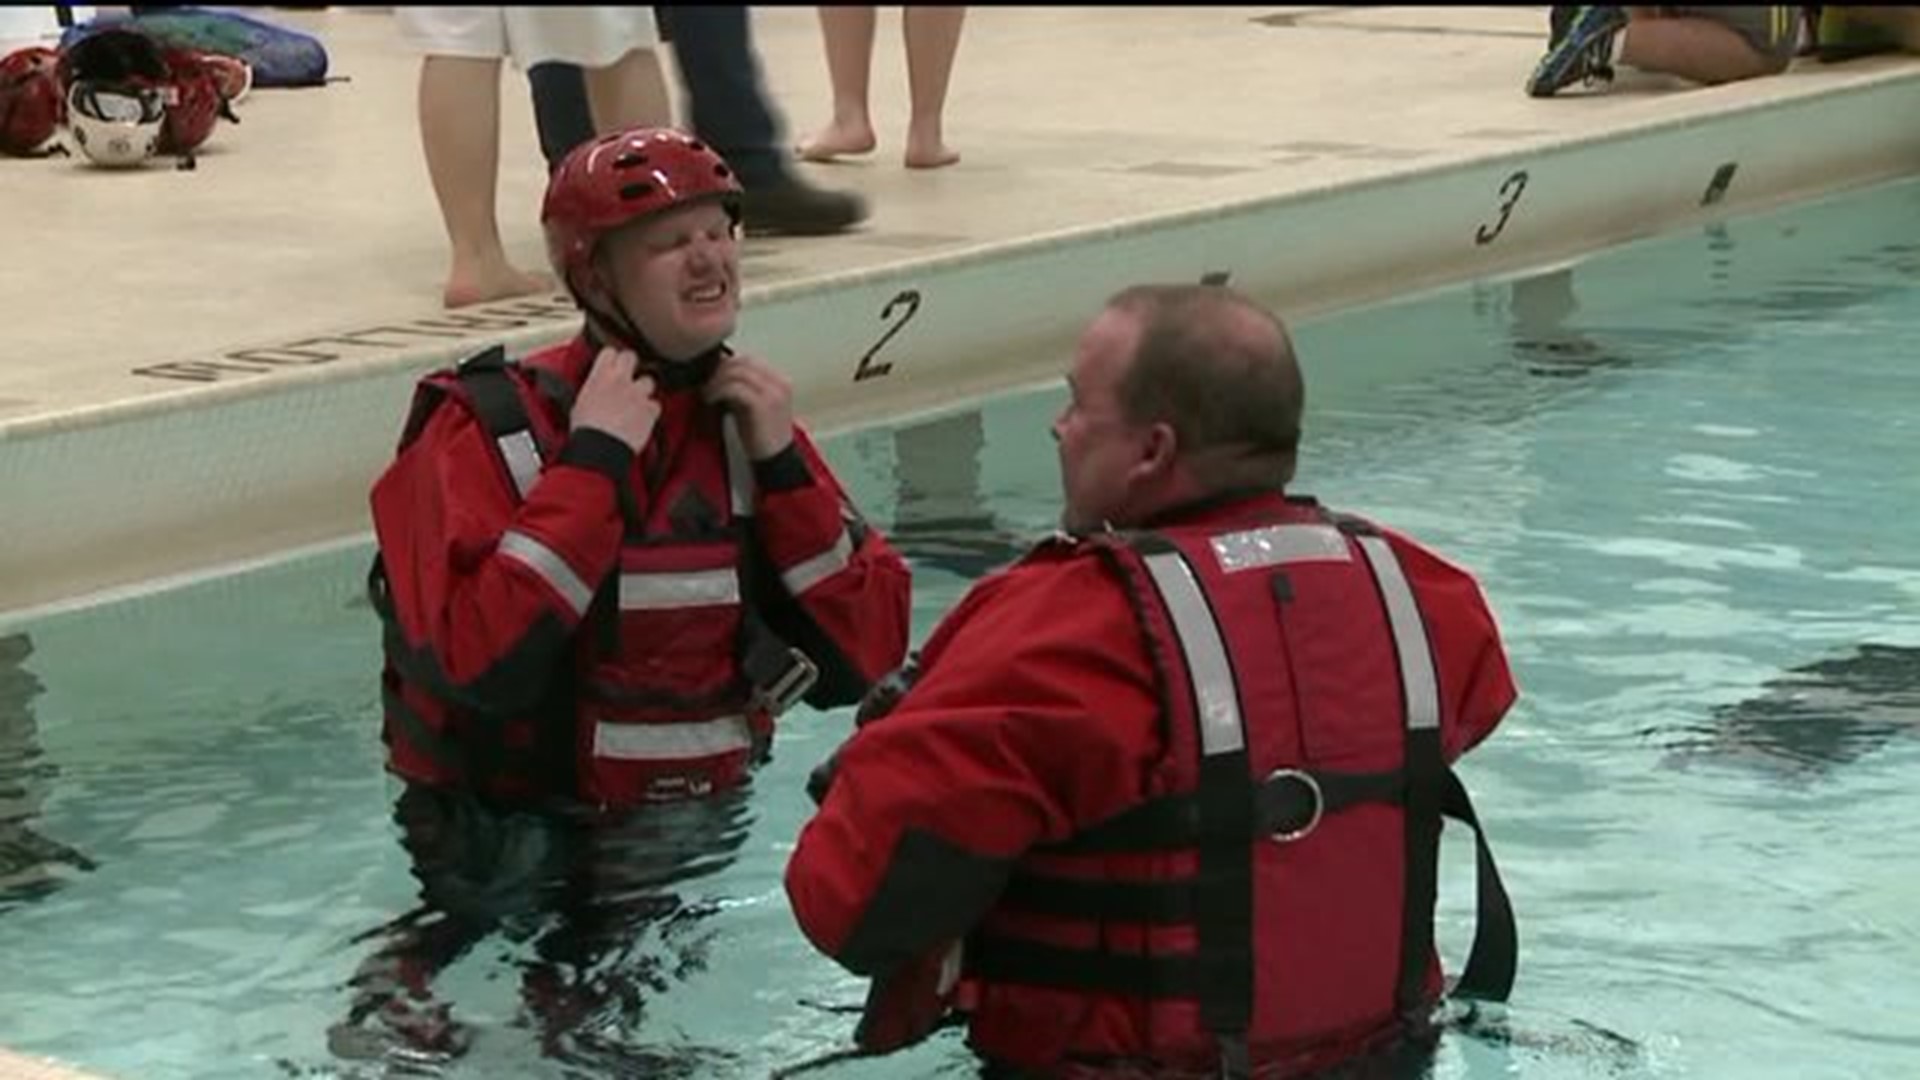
x=277 y=55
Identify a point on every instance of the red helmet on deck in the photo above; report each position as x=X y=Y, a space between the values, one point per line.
x=32 y=105
x=621 y=178
x=198 y=102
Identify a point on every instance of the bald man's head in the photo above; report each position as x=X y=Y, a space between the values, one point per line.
x=1220 y=370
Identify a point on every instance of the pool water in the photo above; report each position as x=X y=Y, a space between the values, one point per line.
x=1685 y=471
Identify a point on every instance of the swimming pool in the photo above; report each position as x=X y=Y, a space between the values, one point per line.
x=1683 y=469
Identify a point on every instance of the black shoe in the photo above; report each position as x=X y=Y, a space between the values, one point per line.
x=794 y=207
x=1583 y=52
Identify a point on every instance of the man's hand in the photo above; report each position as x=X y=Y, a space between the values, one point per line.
x=613 y=401
x=761 y=400
x=886 y=693
x=880 y=700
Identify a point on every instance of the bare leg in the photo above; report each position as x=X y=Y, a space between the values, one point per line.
x=1698 y=49
x=630 y=92
x=848 y=32
x=460 y=132
x=933 y=37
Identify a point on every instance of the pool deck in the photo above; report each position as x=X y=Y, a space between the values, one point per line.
x=313 y=219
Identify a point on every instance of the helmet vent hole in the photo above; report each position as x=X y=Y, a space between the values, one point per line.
x=722 y=171
x=629 y=160
x=636 y=191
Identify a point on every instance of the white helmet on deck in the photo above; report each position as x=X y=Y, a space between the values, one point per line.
x=116 y=126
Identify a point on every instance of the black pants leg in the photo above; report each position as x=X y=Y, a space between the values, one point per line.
x=714 y=46
x=560 y=108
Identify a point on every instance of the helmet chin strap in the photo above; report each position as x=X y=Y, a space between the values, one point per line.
x=670 y=375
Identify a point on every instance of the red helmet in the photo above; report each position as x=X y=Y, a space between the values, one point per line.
x=32 y=106
x=198 y=102
x=623 y=177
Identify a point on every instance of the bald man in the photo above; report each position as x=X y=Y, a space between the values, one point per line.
x=1165 y=795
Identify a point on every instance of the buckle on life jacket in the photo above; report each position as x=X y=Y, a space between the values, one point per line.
x=785 y=690
x=1281 y=814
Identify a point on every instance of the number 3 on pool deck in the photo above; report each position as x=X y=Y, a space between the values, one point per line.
x=870 y=370
x=1510 y=194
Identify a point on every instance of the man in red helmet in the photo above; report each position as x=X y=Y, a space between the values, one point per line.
x=605 y=570
x=1164 y=797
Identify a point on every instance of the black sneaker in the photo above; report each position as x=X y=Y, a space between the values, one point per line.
x=1582 y=52
x=794 y=207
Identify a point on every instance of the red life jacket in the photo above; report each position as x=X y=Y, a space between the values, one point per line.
x=1271 y=906
x=675 y=681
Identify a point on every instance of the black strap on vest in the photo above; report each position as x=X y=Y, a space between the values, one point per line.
x=1488 y=975
x=496 y=401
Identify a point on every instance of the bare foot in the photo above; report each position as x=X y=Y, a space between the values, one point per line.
x=477 y=286
x=838 y=140
x=929 y=154
x=926 y=148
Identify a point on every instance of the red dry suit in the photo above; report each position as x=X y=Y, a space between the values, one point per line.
x=566 y=619
x=1179 y=793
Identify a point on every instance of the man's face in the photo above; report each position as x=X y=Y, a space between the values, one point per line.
x=1101 y=453
x=678 y=276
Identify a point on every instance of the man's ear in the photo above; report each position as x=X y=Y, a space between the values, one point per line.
x=1159 y=450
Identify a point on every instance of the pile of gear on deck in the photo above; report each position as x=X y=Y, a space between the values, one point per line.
x=122 y=91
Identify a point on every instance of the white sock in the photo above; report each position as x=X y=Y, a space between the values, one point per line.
x=1619 y=43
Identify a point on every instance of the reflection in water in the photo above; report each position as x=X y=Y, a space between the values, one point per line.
x=1819 y=715
x=593 y=914
x=943 y=519
x=1543 y=339
x=31 y=865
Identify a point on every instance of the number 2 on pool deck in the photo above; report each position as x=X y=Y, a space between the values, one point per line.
x=867 y=369
x=1518 y=183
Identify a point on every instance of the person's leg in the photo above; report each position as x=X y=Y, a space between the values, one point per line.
x=560 y=108
x=730 y=111
x=933 y=37
x=848 y=36
x=630 y=92
x=614 y=47
x=472 y=868
x=726 y=105
x=1712 y=45
x=460 y=133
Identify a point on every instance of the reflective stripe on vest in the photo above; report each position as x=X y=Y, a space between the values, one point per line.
x=1214 y=693
x=550 y=567
x=672 y=742
x=523 y=459
x=807 y=573
x=739 y=468
x=1273 y=545
x=1417 y=679
x=688 y=589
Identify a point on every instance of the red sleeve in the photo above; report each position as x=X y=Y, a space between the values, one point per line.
x=488 y=593
x=850 y=583
x=1035 y=714
x=1475 y=679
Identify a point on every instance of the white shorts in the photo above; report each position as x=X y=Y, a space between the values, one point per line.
x=588 y=36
